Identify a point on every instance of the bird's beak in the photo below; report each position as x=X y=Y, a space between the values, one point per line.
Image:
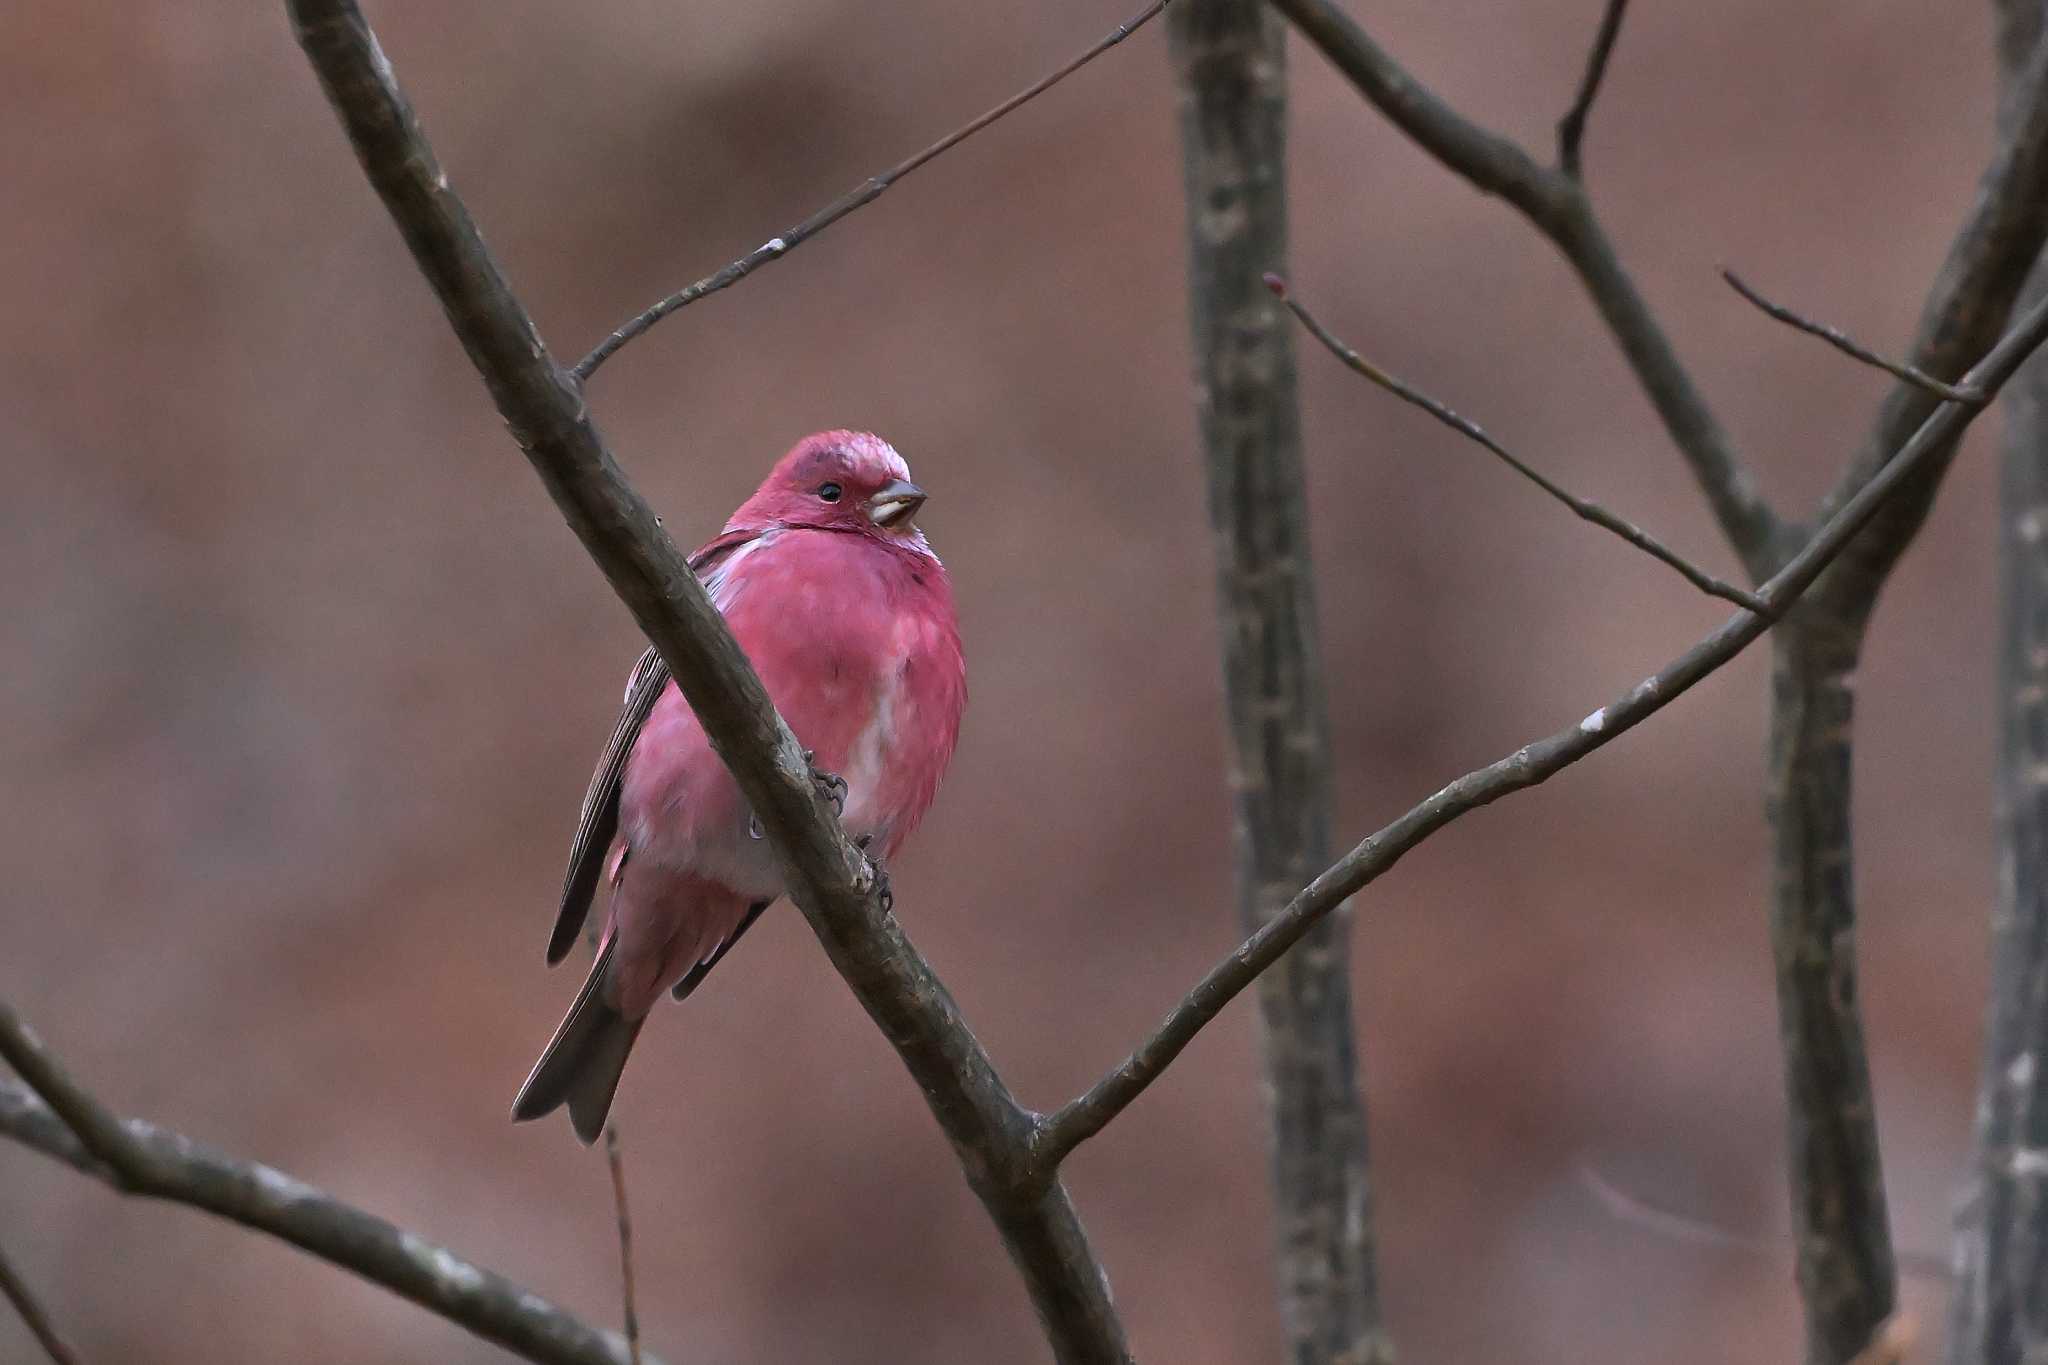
x=894 y=504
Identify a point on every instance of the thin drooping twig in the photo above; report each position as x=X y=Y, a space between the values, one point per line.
x=1527 y=766
x=34 y=1316
x=1849 y=346
x=869 y=190
x=1571 y=129
x=1556 y=204
x=617 y=1162
x=1230 y=72
x=1683 y=1227
x=828 y=877
x=1588 y=510
x=57 y=1116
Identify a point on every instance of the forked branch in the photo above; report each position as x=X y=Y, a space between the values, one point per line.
x=1556 y=204
x=1571 y=129
x=1527 y=766
x=54 y=1114
x=828 y=877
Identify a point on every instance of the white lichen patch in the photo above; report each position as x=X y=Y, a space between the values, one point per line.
x=1595 y=723
x=445 y=1266
x=2028 y=1163
x=280 y=1190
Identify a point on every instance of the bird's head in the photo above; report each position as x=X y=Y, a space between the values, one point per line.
x=837 y=481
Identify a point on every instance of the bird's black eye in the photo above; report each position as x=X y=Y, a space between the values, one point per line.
x=829 y=492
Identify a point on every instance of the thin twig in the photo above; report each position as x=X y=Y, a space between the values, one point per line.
x=1848 y=346
x=1590 y=511
x=1972 y=297
x=1571 y=129
x=1683 y=1227
x=869 y=190
x=16 y=1291
x=1526 y=767
x=830 y=879
x=618 y=1165
x=55 y=1115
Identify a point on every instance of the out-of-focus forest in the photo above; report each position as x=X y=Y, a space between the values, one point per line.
x=301 y=675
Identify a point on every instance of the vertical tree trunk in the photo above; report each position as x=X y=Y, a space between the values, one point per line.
x=1840 y=1225
x=1228 y=56
x=2000 y=1312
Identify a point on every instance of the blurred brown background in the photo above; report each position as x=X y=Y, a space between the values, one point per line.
x=301 y=675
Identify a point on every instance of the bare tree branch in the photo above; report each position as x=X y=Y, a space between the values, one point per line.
x=1230 y=70
x=1840 y=1225
x=1840 y=1220
x=1526 y=767
x=869 y=190
x=55 y=1115
x=1571 y=129
x=828 y=878
x=1972 y=297
x=1850 y=347
x=15 y=1290
x=1588 y=510
x=1556 y=204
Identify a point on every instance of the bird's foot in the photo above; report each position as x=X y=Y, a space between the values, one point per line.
x=831 y=785
x=883 y=891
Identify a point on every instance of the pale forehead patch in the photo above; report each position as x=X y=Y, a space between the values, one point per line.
x=870 y=449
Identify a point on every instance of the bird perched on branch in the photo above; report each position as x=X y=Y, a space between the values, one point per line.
x=848 y=618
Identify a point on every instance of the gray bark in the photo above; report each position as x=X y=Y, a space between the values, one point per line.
x=1999 y=1315
x=1841 y=1230
x=1229 y=59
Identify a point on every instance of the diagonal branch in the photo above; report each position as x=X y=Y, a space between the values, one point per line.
x=1527 y=766
x=829 y=879
x=1571 y=129
x=33 y=1315
x=1556 y=204
x=55 y=1115
x=1972 y=296
x=1849 y=346
x=1588 y=510
x=869 y=190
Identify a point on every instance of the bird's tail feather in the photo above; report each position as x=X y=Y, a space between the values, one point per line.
x=584 y=1060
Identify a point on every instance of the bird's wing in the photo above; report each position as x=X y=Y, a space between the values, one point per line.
x=598 y=824
x=695 y=976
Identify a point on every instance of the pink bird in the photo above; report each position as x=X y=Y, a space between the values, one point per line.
x=848 y=617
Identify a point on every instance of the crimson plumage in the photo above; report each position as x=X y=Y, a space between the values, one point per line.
x=848 y=618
